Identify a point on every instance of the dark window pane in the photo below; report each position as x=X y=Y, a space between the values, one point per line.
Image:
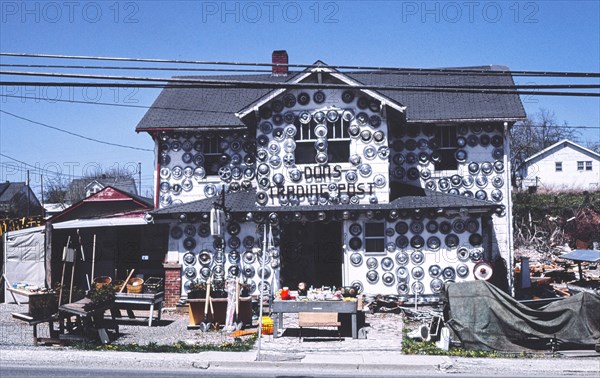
x=374 y=245
x=338 y=151
x=305 y=153
x=447 y=160
x=374 y=229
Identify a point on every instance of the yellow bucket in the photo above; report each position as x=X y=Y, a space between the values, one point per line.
x=267 y=325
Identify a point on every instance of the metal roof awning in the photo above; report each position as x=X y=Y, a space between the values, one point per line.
x=587 y=255
x=245 y=201
x=100 y=222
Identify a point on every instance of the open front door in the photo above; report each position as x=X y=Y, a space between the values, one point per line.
x=312 y=253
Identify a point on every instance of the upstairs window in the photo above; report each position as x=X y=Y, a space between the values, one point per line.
x=558 y=166
x=212 y=155
x=588 y=165
x=338 y=141
x=580 y=166
x=374 y=237
x=446 y=136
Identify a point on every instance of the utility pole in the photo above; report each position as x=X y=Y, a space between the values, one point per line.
x=28 y=194
x=140 y=177
x=42 y=187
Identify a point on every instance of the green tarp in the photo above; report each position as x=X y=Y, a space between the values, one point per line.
x=485 y=318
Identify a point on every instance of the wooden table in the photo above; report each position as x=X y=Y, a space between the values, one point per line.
x=88 y=322
x=280 y=307
x=128 y=300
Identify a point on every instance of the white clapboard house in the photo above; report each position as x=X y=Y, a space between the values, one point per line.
x=563 y=166
x=393 y=191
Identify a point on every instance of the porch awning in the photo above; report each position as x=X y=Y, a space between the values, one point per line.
x=245 y=201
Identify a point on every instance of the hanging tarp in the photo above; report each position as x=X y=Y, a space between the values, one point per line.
x=24 y=258
x=485 y=318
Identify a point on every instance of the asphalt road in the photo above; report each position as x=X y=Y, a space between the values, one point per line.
x=19 y=371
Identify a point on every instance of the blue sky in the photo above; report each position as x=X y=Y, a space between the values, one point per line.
x=524 y=35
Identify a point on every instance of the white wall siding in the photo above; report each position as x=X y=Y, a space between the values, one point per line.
x=541 y=172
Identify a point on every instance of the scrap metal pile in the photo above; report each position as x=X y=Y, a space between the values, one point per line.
x=567 y=275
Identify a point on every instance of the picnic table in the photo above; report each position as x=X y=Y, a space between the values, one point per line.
x=88 y=322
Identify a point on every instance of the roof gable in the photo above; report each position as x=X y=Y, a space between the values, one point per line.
x=318 y=68
x=558 y=146
x=106 y=202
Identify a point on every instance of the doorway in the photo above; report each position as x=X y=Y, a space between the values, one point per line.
x=311 y=253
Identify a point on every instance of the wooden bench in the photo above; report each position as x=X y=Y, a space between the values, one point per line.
x=318 y=320
x=34 y=322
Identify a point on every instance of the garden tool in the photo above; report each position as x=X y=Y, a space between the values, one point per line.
x=238 y=325
x=205 y=325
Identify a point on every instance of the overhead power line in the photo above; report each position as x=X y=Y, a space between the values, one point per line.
x=269 y=84
x=75 y=134
x=266 y=86
x=133 y=68
x=344 y=67
x=52 y=100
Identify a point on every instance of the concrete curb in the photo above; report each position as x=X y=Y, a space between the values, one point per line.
x=364 y=363
x=348 y=362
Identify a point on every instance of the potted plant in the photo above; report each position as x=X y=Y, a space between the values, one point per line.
x=100 y=297
x=217 y=289
x=197 y=290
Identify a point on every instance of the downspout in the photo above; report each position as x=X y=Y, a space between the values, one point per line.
x=157 y=170
x=509 y=217
x=48 y=254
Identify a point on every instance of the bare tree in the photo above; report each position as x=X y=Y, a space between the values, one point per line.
x=594 y=146
x=56 y=189
x=534 y=134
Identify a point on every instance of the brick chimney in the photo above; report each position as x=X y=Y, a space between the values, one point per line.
x=280 y=57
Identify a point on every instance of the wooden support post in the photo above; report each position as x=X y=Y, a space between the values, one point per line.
x=94 y=260
x=9 y=286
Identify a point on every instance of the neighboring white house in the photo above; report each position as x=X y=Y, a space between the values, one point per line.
x=52 y=209
x=562 y=166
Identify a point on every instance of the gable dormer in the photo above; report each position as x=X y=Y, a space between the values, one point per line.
x=323 y=139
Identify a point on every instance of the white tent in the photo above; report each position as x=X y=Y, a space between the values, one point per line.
x=24 y=258
x=24 y=250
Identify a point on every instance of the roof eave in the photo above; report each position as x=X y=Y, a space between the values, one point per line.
x=193 y=128
x=455 y=120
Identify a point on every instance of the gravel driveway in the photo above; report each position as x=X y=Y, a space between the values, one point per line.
x=384 y=333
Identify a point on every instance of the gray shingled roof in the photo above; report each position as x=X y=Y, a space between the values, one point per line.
x=245 y=201
x=215 y=107
x=9 y=190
